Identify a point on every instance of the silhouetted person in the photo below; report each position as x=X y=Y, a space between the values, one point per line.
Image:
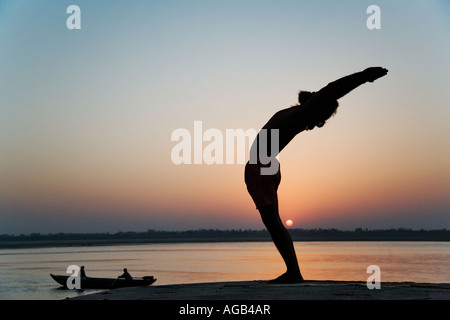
x=126 y=275
x=314 y=110
x=82 y=272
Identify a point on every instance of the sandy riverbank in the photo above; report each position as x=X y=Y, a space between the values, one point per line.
x=258 y=290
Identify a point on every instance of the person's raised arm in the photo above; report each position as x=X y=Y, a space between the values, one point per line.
x=339 y=88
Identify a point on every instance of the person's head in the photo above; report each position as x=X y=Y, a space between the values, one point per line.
x=318 y=116
x=125 y=269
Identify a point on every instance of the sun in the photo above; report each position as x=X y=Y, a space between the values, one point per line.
x=289 y=223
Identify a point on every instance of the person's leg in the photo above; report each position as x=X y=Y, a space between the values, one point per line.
x=283 y=243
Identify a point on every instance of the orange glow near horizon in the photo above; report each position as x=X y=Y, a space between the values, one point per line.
x=218 y=191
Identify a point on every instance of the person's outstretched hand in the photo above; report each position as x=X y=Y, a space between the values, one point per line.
x=373 y=73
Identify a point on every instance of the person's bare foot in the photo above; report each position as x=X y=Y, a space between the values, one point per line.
x=288 y=278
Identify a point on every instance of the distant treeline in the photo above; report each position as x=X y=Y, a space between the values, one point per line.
x=214 y=235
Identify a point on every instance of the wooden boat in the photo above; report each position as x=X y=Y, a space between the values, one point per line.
x=105 y=283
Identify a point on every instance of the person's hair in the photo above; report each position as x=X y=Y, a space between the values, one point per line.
x=304 y=96
x=318 y=116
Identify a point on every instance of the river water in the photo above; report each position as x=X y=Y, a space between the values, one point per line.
x=25 y=273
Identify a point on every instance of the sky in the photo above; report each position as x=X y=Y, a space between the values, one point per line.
x=86 y=115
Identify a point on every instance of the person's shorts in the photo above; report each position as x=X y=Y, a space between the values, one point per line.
x=262 y=188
